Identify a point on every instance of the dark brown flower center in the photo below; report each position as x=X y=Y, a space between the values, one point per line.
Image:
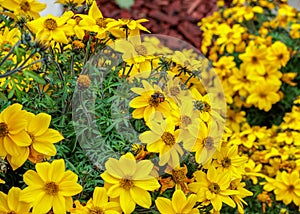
x=50 y=24
x=186 y=120
x=168 y=138
x=208 y=143
x=141 y=50
x=254 y=60
x=25 y=6
x=3 y=129
x=126 y=183
x=101 y=22
x=51 y=188
x=77 y=19
x=291 y=188
x=178 y=175
x=226 y=162
x=214 y=188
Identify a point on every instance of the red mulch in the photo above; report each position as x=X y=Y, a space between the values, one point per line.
x=176 y=18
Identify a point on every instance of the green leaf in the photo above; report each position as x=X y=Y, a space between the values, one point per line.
x=125 y=3
x=34 y=76
x=3 y=97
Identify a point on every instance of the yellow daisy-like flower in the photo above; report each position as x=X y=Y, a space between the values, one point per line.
x=8 y=36
x=213 y=187
x=278 y=54
x=50 y=187
x=10 y=203
x=236 y=184
x=42 y=136
x=151 y=99
x=100 y=203
x=178 y=204
x=95 y=21
x=163 y=139
x=229 y=37
x=29 y=8
x=14 y=140
x=2 y=181
x=126 y=27
x=129 y=181
x=52 y=28
x=255 y=58
x=229 y=161
x=287 y=187
x=263 y=95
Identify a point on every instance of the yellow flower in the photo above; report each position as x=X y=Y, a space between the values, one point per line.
x=129 y=181
x=287 y=187
x=200 y=142
x=78 y=27
x=14 y=140
x=228 y=160
x=100 y=204
x=178 y=204
x=8 y=36
x=163 y=139
x=289 y=137
x=229 y=37
x=52 y=28
x=278 y=54
x=29 y=8
x=213 y=187
x=151 y=99
x=50 y=187
x=248 y=13
x=263 y=95
x=126 y=27
x=95 y=21
x=239 y=81
x=10 y=203
x=255 y=58
x=42 y=136
x=252 y=171
x=236 y=184
x=224 y=66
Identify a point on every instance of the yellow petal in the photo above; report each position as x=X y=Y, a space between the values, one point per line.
x=178 y=201
x=141 y=197
x=45 y=148
x=151 y=184
x=100 y=196
x=39 y=124
x=59 y=204
x=164 y=206
x=126 y=202
x=69 y=188
x=13 y=198
x=31 y=178
x=42 y=170
x=21 y=139
x=56 y=170
x=49 y=136
x=42 y=204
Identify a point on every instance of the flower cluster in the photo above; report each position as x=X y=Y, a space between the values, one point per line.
x=24 y=135
x=254 y=49
x=146 y=126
